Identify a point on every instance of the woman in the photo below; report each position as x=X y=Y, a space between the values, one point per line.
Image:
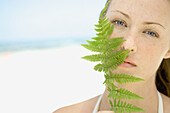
x=145 y=24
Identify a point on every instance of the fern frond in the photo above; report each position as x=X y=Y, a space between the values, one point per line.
x=126 y=94
x=104 y=22
x=122 y=107
x=105 y=28
x=115 y=40
x=110 y=84
x=113 y=60
x=101 y=20
x=109 y=32
x=99 y=34
x=94 y=58
x=98 y=26
x=123 y=78
x=99 y=67
x=115 y=55
x=111 y=103
x=98 y=38
x=113 y=45
x=116 y=59
x=100 y=45
x=93 y=48
x=98 y=30
x=110 y=59
x=97 y=43
x=123 y=94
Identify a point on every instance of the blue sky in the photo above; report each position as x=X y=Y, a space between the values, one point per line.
x=34 y=19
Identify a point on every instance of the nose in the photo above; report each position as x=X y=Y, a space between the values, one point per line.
x=130 y=43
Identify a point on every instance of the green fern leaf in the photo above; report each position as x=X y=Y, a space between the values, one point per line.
x=116 y=55
x=123 y=78
x=101 y=20
x=98 y=26
x=98 y=38
x=104 y=22
x=115 y=40
x=111 y=103
x=99 y=67
x=99 y=34
x=114 y=45
x=94 y=58
x=105 y=28
x=117 y=59
x=97 y=43
x=93 y=48
x=98 y=30
x=109 y=32
x=111 y=86
x=123 y=94
x=121 y=107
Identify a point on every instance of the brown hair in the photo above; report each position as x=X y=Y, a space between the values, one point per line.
x=162 y=79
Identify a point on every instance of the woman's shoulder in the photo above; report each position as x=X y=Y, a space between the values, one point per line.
x=86 y=106
x=166 y=103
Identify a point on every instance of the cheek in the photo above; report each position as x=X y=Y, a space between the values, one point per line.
x=152 y=55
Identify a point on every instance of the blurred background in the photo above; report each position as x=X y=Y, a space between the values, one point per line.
x=41 y=68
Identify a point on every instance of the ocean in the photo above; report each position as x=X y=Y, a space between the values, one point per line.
x=20 y=45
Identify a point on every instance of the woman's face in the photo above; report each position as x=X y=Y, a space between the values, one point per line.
x=145 y=24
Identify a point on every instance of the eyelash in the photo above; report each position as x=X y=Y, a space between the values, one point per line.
x=155 y=34
x=113 y=21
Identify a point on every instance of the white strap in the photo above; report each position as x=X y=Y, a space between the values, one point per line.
x=160 y=108
x=97 y=104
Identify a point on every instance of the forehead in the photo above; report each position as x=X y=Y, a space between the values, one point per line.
x=150 y=10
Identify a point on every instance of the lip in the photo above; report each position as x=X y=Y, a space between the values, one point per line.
x=128 y=60
x=128 y=63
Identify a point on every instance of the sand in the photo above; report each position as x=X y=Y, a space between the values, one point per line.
x=41 y=81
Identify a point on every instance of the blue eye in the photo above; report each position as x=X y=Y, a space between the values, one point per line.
x=119 y=22
x=152 y=34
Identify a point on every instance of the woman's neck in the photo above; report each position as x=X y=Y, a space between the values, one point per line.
x=146 y=89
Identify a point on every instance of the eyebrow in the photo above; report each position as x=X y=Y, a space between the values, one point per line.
x=127 y=16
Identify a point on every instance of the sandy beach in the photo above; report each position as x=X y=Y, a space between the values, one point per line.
x=41 y=81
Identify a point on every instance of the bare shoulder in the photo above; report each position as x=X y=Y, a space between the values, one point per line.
x=166 y=103
x=86 y=106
